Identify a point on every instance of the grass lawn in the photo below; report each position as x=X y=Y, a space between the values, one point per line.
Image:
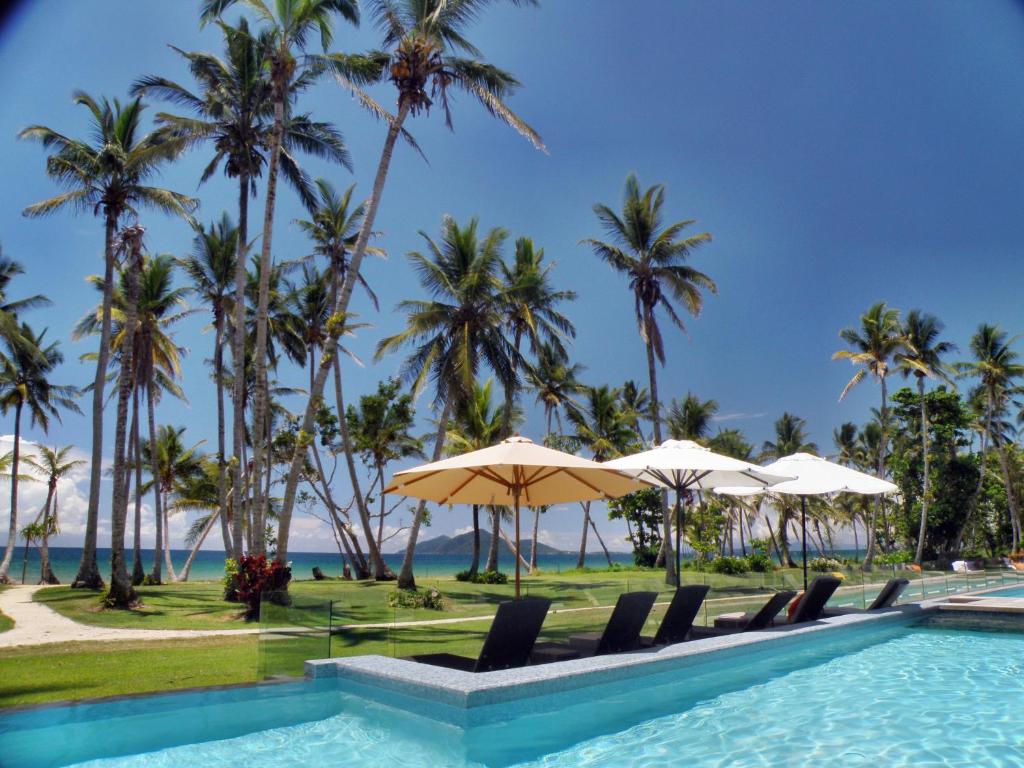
x=5 y=621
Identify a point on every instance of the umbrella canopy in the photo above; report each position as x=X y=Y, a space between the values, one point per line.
x=814 y=476
x=684 y=465
x=513 y=472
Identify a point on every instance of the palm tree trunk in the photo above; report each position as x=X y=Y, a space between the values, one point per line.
x=155 y=576
x=975 y=499
x=512 y=546
x=510 y=388
x=474 y=566
x=581 y=560
x=492 y=546
x=926 y=493
x=607 y=555
x=121 y=593
x=1011 y=492
x=138 y=572
x=12 y=528
x=533 y=543
x=183 y=576
x=406 y=579
x=46 y=574
x=652 y=375
x=869 y=555
x=88 y=575
x=167 y=541
x=238 y=369
x=222 y=464
x=340 y=308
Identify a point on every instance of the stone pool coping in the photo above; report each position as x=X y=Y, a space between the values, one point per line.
x=466 y=690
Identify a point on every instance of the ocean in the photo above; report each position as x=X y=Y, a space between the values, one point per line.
x=209 y=565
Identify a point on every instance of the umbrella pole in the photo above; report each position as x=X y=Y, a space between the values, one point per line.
x=803 y=528
x=515 y=496
x=679 y=535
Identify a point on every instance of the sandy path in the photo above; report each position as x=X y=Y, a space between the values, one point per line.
x=38 y=624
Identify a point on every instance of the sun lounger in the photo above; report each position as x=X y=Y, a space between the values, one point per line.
x=509 y=642
x=678 y=619
x=889 y=594
x=621 y=633
x=747 y=622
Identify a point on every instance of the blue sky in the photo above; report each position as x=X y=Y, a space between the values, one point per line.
x=840 y=153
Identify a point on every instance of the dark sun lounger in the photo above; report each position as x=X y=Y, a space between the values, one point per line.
x=748 y=622
x=679 y=618
x=889 y=594
x=809 y=608
x=508 y=643
x=621 y=633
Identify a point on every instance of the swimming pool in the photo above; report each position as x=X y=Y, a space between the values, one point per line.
x=1008 y=592
x=926 y=692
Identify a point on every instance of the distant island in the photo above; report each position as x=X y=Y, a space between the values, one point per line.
x=462 y=545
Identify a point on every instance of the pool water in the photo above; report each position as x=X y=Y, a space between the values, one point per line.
x=1008 y=592
x=940 y=692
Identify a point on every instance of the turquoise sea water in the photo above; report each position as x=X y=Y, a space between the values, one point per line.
x=930 y=695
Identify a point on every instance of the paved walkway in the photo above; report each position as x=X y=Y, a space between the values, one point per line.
x=38 y=624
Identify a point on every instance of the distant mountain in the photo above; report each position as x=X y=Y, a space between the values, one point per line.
x=463 y=545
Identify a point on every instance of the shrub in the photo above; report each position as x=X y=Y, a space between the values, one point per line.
x=230 y=572
x=732 y=566
x=895 y=558
x=482 y=577
x=824 y=564
x=431 y=599
x=257 y=575
x=759 y=562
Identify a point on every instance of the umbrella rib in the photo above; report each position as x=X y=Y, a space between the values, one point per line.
x=472 y=476
x=580 y=480
x=425 y=476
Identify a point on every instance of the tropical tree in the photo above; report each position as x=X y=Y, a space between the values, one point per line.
x=996 y=368
x=653 y=258
x=602 y=429
x=233 y=109
x=426 y=55
x=873 y=348
x=635 y=404
x=107 y=177
x=691 y=419
x=454 y=333
x=555 y=380
x=922 y=358
x=211 y=269
x=10 y=330
x=790 y=438
x=53 y=464
x=26 y=364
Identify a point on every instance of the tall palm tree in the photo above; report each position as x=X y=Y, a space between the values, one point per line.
x=995 y=366
x=531 y=308
x=54 y=464
x=26 y=365
x=691 y=419
x=288 y=26
x=9 y=308
x=333 y=229
x=211 y=269
x=425 y=48
x=653 y=258
x=477 y=424
x=922 y=358
x=454 y=333
x=602 y=429
x=233 y=110
x=636 y=405
x=107 y=177
x=555 y=381
x=790 y=438
x=874 y=347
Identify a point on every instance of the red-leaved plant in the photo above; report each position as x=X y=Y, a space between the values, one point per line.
x=255 y=576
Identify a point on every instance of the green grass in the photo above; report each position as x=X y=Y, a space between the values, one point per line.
x=5 y=621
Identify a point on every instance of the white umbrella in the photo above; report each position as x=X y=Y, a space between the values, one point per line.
x=683 y=465
x=814 y=476
x=514 y=470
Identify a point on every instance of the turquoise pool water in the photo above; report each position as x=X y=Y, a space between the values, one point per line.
x=1009 y=592
x=944 y=692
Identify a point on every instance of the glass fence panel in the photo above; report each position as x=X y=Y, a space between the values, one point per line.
x=292 y=629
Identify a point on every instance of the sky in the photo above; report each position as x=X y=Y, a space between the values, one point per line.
x=839 y=153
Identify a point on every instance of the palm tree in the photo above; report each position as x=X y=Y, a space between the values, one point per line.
x=451 y=335
x=636 y=405
x=653 y=259
x=477 y=424
x=10 y=330
x=211 y=269
x=425 y=47
x=333 y=229
x=531 y=309
x=874 y=347
x=922 y=358
x=605 y=431
x=53 y=464
x=690 y=420
x=555 y=381
x=790 y=438
x=107 y=177
x=288 y=26
x=25 y=368
x=995 y=366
